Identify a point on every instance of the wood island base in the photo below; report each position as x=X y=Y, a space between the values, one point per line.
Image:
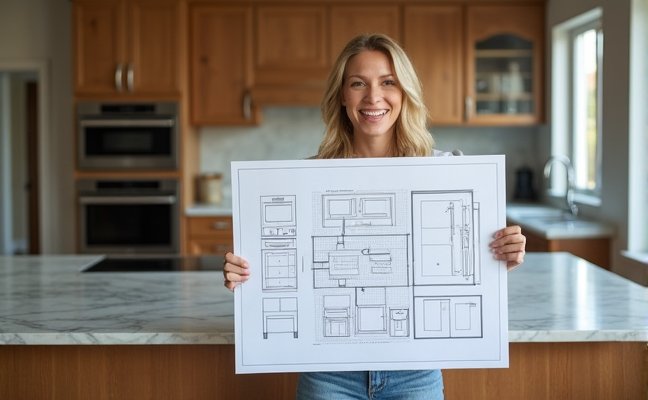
x=584 y=370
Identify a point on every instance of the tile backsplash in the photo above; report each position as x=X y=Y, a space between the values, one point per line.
x=295 y=133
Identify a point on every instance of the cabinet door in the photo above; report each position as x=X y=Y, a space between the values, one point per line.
x=350 y=21
x=209 y=235
x=291 y=45
x=504 y=46
x=221 y=68
x=153 y=66
x=98 y=47
x=433 y=39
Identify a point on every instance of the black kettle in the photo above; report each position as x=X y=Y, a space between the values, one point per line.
x=524 y=184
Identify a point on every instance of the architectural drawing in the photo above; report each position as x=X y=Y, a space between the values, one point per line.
x=279 y=243
x=280 y=316
x=366 y=284
x=354 y=272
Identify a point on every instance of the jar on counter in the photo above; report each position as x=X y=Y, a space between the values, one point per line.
x=210 y=188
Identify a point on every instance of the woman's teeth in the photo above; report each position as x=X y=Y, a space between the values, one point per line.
x=374 y=113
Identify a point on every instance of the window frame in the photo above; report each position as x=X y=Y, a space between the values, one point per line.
x=562 y=101
x=594 y=24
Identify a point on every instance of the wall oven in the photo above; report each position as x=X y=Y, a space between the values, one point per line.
x=128 y=216
x=127 y=135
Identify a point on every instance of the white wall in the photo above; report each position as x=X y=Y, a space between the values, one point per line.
x=615 y=119
x=39 y=32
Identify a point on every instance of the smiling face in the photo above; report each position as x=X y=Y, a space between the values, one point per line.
x=372 y=97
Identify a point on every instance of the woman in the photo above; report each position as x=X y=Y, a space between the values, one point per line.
x=373 y=108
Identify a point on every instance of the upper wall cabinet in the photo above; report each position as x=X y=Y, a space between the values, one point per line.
x=295 y=46
x=291 y=58
x=487 y=71
x=504 y=48
x=221 y=65
x=350 y=21
x=127 y=47
x=434 y=41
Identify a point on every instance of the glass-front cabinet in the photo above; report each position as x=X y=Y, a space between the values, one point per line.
x=504 y=65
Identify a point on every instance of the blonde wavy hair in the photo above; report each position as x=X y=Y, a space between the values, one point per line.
x=410 y=131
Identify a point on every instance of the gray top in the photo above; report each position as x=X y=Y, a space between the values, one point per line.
x=553 y=297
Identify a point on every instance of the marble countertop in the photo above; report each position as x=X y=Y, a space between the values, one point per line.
x=223 y=209
x=553 y=297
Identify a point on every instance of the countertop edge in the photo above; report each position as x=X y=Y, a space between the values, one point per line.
x=62 y=338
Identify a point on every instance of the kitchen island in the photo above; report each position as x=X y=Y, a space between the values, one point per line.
x=576 y=331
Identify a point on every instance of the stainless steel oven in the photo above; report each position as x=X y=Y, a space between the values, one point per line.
x=127 y=135
x=128 y=216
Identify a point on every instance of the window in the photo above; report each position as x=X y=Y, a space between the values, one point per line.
x=576 y=101
x=585 y=143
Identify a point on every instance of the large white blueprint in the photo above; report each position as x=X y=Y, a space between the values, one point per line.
x=370 y=264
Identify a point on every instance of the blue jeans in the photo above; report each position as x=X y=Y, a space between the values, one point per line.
x=372 y=385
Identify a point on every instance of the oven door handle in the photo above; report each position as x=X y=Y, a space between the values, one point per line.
x=126 y=123
x=127 y=200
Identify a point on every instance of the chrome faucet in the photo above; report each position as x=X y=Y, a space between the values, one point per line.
x=569 y=190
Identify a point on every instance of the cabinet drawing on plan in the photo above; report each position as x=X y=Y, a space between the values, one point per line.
x=445 y=230
x=279 y=243
x=447 y=317
x=280 y=316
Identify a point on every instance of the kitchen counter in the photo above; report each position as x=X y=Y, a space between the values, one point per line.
x=553 y=297
x=210 y=210
x=553 y=223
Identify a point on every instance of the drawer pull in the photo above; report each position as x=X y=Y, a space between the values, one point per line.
x=221 y=225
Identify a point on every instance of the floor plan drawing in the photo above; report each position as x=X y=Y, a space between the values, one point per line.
x=356 y=273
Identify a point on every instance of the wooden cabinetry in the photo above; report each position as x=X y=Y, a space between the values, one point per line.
x=291 y=60
x=349 y=21
x=221 y=65
x=596 y=251
x=209 y=235
x=433 y=39
x=478 y=65
x=297 y=45
x=127 y=47
x=504 y=47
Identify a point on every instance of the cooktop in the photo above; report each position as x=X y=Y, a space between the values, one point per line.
x=157 y=264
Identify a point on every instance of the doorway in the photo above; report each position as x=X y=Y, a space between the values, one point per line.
x=19 y=161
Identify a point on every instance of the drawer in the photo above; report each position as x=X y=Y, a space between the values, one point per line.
x=209 y=246
x=210 y=226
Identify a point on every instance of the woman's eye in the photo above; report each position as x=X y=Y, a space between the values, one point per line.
x=390 y=82
x=357 y=84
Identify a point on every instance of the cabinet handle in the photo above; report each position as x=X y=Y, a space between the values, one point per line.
x=469 y=106
x=219 y=225
x=118 y=77
x=247 y=105
x=129 y=77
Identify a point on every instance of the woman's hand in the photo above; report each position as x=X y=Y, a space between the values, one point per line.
x=235 y=270
x=508 y=245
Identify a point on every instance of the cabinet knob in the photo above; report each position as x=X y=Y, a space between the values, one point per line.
x=469 y=107
x=247 y=105
x=129 y=77
x=118 y=77
x=220 y=225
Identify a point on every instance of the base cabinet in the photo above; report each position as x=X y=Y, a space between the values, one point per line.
x=209 y=235
x=538 y=371
x=596 y=251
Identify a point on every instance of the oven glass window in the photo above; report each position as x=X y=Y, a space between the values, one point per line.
x=111 y=141
x=129 y=225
